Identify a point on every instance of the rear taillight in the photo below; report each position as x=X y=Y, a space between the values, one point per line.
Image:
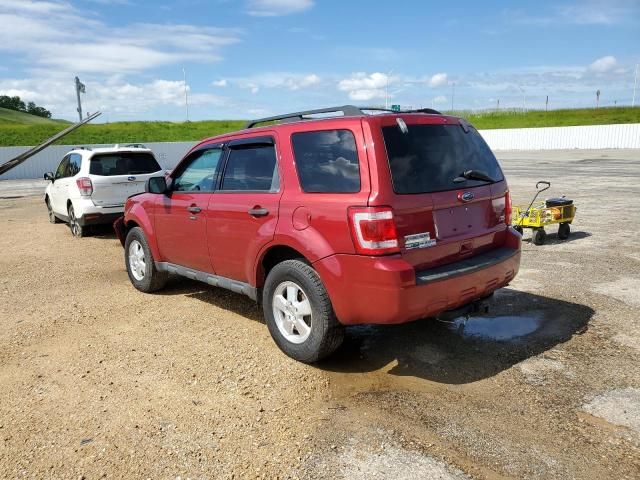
x=507 y=208
x=373 y=230
x=85 y=186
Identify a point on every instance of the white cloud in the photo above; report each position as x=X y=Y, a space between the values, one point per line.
x=362 y=87
x=113 y=96
x=220 y=83
x=287 y=81
x=589 y=12
x=276 y=8
x=438 y=80
x=46 y=34
x=604 y=64
x=440 y=99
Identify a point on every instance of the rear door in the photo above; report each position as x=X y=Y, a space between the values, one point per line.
x=441 y=216
x=116 y=176
x=243 y=213
x=181 y=215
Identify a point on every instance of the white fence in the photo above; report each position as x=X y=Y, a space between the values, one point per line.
x=554 y=138
x=564 y=138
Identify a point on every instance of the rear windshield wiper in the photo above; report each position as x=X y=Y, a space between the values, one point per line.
x=474 y=175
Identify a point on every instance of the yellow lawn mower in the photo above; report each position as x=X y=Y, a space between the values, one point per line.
x=552 y=210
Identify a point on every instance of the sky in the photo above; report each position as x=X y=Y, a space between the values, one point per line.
x=253 y=58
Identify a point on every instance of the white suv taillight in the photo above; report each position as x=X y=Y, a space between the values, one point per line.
x=373 y=230
x=85 y=186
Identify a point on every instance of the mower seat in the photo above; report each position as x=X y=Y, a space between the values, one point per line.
x=558 y=202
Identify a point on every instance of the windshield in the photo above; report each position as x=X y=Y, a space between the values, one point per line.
x=428 y=158
x=124 y=163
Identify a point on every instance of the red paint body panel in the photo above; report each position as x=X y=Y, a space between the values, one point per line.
x=383 y=290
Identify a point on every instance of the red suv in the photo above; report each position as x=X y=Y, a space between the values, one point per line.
x=354 y=218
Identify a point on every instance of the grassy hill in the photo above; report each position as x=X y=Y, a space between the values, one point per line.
x=12 y=117
x=30 y=131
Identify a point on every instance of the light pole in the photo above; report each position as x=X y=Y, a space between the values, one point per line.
x=80 y=88
x=386 y=89
x=453 y=93
x=186 y=99
x=524 y=99
x=635 y=83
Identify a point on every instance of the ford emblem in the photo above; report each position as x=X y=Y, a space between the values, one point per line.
x=131 y=179
x=466 y=196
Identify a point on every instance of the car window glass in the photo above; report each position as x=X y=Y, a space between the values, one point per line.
x=200 y=172
x=251 y=167
x=123 y=163
x=73 y=167
x=62 y=168
x=327 y=161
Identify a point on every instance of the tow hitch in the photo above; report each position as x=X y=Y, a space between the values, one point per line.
x=477 y=307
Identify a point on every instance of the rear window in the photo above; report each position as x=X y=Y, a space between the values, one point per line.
x=327 y=161
x=125 y=163
x=428 y=157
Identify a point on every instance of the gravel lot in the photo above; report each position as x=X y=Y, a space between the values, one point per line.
x=99 y=380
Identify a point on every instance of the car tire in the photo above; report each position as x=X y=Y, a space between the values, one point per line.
x=539 y=236
x=564 y=230
x=321 y=334
x=52 y=216
x=77 y=230
x=140 y=263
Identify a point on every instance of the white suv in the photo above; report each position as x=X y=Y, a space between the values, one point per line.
x=90 y=187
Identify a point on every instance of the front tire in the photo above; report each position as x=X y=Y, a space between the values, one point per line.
x=539 y=236
x=140 y=264
x=77 y=230
x=299 y=313
x=564 y=230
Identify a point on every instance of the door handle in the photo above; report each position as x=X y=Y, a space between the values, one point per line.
x=258 y=212
x=194 y=209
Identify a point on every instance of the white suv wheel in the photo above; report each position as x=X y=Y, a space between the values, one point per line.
x=292 y=312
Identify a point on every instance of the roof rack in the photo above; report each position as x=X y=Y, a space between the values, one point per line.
x=136 y=145
x=346 y=110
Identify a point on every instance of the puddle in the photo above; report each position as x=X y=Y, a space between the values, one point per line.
x=499 y=328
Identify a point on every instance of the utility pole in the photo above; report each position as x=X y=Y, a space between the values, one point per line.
x=386 y=89
x=186 y=98
x=546 y=104
x=524 y=99
x=635 y=83
x=498 y=105
x=79 y=89
x=598 y=99
x=453 y=94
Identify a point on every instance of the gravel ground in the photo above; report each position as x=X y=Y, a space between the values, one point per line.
x=100 y=380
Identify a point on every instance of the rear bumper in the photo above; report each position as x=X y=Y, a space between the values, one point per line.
x=98 y=218
x=387 y=290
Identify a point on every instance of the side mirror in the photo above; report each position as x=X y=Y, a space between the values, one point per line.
x=48 y=176
x=156 y=185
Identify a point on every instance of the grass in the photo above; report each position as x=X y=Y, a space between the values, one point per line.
x=552 y=118
x=15 y=129
x=12 y=117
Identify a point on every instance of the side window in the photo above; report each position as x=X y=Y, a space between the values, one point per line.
x=200 y=174
x=327 y=161
x=61 y=172
x=251 y=167
x=75 y=160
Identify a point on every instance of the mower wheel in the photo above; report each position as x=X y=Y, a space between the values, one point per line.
x=564 y=230
x=519 y=229
x=539 y=236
